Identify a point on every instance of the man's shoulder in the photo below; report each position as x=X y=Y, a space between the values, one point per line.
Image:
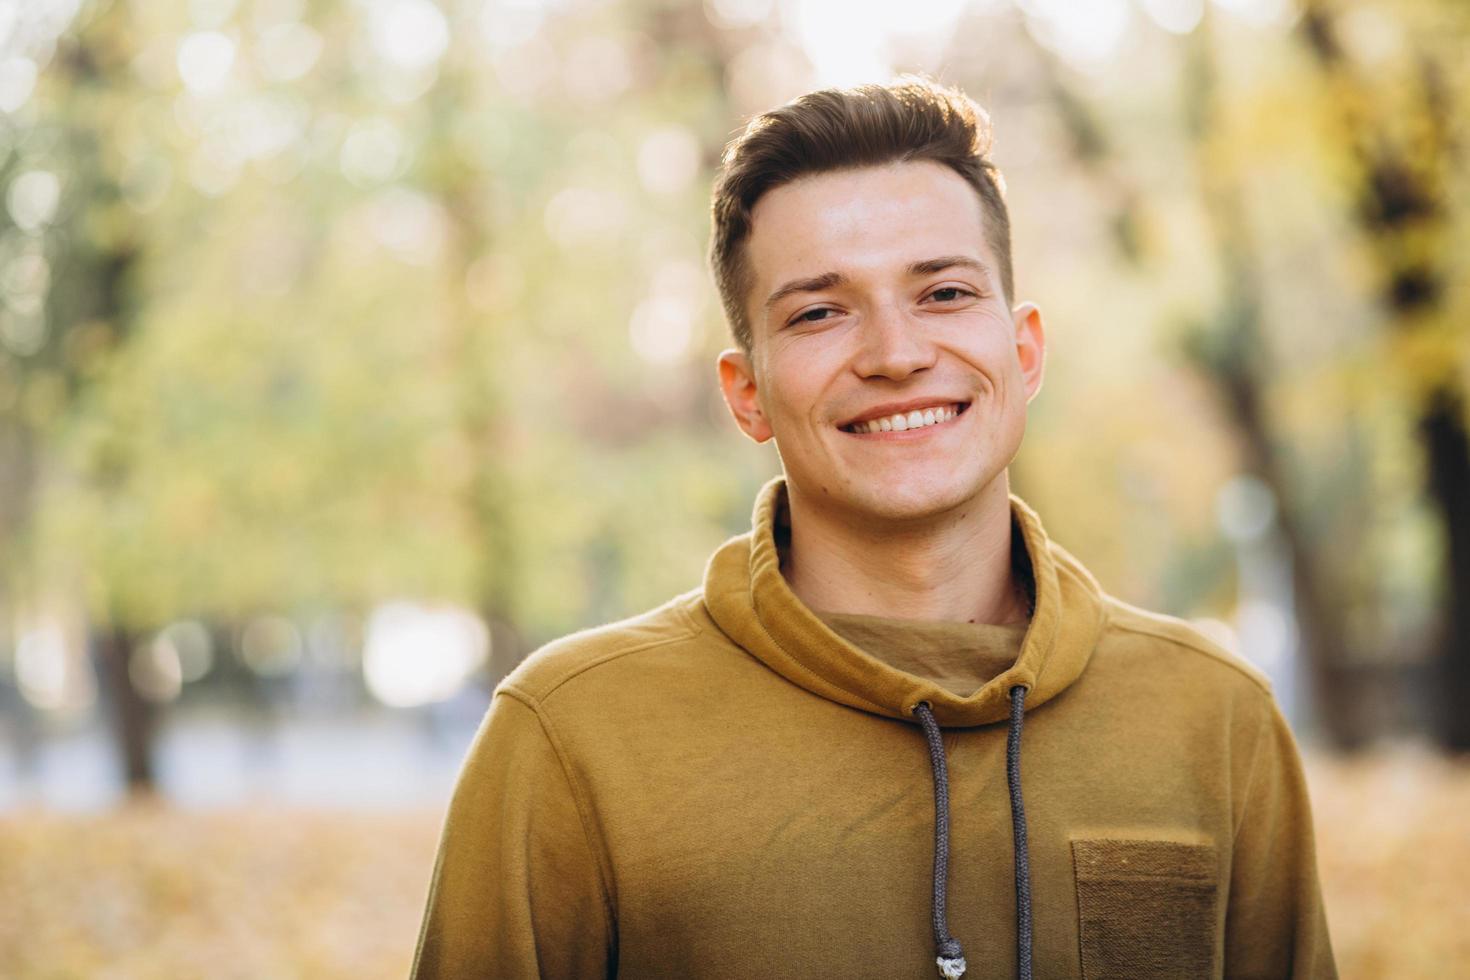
x=1182 y=641
x=681 y=620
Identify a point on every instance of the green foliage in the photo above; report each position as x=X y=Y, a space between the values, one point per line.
x=440 y=327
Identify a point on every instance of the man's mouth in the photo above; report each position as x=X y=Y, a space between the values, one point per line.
x=917 y=418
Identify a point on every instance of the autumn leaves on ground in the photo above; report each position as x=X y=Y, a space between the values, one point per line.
x=152 y=891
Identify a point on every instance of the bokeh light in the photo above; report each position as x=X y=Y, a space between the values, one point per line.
x=417 y=655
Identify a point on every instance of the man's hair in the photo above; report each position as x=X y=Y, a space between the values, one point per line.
x=845 y=129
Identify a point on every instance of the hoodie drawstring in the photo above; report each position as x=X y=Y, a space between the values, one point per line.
x=1018 y=833
x=951 y=958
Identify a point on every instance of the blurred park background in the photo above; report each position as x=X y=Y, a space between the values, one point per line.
x=350 y=349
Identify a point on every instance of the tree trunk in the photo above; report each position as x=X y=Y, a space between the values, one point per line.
x=1442 y=427
x=131 y=718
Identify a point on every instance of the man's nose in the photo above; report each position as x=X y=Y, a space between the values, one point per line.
x=894 y=345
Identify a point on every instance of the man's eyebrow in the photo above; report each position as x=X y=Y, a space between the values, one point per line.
x=928 y=267
x=810 y=285
x=827 y=280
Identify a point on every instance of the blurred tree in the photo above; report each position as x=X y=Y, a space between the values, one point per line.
x=83 y=311
x=1225 y=346
x=474 y=359
x=1096 y=156
x=1231 y=351
x=1403 y=151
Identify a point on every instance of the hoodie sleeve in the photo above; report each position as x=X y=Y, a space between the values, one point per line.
x=1275 y=925
x=517 y=891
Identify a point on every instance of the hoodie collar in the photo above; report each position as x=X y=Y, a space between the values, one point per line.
x=749 y=599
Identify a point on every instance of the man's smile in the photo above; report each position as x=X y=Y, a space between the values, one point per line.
x=904 y=418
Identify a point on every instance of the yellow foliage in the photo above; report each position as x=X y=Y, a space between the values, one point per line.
x=150 y=891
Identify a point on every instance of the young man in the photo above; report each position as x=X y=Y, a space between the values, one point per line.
x=813 y=766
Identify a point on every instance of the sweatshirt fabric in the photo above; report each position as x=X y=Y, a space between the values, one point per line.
x=728 y=786
x=959 y=657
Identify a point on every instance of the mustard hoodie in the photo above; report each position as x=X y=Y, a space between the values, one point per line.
x=725 y=787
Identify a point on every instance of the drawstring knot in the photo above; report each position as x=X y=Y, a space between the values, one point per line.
x=951 y=967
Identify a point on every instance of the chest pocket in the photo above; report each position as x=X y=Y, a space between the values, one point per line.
x=1146 y=908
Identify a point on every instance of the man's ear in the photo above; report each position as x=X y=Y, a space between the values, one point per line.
x=1030 y=345
x=737 y=383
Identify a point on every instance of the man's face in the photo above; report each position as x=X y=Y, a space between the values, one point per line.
x=885 y=361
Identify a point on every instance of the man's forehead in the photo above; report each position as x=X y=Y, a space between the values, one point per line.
x=842 y=192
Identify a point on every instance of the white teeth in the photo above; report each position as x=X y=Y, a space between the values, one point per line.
x=910 y=420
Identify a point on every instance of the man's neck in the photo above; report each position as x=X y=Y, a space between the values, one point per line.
x=955 y=568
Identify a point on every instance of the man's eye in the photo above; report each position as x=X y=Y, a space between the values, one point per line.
x=812 y=316
x=949 y=294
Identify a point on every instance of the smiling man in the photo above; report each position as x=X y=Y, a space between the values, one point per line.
x=813 y=765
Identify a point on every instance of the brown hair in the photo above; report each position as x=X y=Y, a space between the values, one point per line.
x=844 y=129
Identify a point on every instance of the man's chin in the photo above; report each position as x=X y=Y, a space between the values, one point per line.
x=900 y=502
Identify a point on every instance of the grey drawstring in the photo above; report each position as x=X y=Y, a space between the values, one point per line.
x=1018 y=834
x=951 y=958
